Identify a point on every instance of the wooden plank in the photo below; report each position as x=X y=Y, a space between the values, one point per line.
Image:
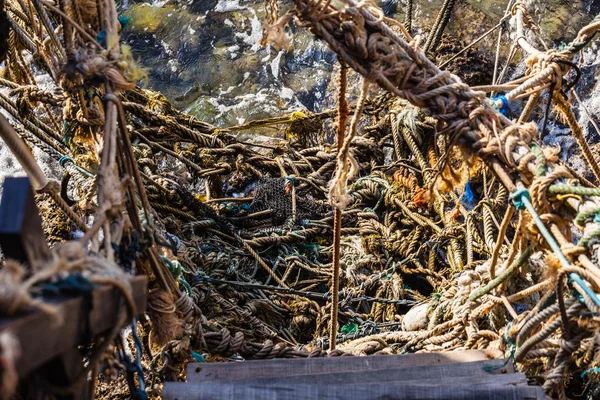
x=517 y=379
x=478 y=380
x=42 y=339
x=392 y=391
x=200 y=372
x=21 y=234
x=486 y=369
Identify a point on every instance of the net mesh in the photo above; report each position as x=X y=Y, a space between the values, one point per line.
x=276 y=194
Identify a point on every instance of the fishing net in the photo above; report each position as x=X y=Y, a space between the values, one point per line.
x=279 y=196
x=453 y=228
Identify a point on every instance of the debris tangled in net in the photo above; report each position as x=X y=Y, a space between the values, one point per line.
x=456 y=227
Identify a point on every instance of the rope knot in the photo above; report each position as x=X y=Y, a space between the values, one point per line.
x=540 y=185
x=549 y=61
x=518 y=195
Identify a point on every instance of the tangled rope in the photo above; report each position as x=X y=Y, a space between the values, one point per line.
x=422 y=240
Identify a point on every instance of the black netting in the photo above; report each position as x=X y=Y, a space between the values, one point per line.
x=275 y=194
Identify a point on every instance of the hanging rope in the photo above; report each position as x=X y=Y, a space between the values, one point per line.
x=337 y=212
x=408 y=15
x=346 y=166
x=439 y=26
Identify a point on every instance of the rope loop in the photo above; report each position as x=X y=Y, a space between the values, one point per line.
x=65 y=159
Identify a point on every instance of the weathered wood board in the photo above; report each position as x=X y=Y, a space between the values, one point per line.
x=230 y=371
x=477 y=369
x=392 y=376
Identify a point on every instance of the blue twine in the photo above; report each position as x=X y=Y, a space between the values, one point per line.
x=236 y=209
x=65 y=159
x=174 y=241
x=198 y=357
x=521 y=199
x=548 y=302
x=468 y=194
x=289 y=178
x=518 y=195
x=138 y=354
x=504 y=109
x=72 y=284
x=101 y=37
x=510 y=341
x=200 y=278
x=490 y=368
x=578 y=296
x=573 y=277
x=124 y=21
x=127 y=254
x=134 y=367
x=594 y=370
x=520 y=308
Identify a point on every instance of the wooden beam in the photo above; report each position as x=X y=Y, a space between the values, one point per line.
x=229 y=371
x=42 y=339
x=366 y=391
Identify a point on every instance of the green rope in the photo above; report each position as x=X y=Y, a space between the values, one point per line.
x=591 y=215
x=584 y=241
x=575 y=47
x=503 y=276
x=564 y=188
x=177 y=270
x=540 y=168
x=68 y=131
x=585 y=216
